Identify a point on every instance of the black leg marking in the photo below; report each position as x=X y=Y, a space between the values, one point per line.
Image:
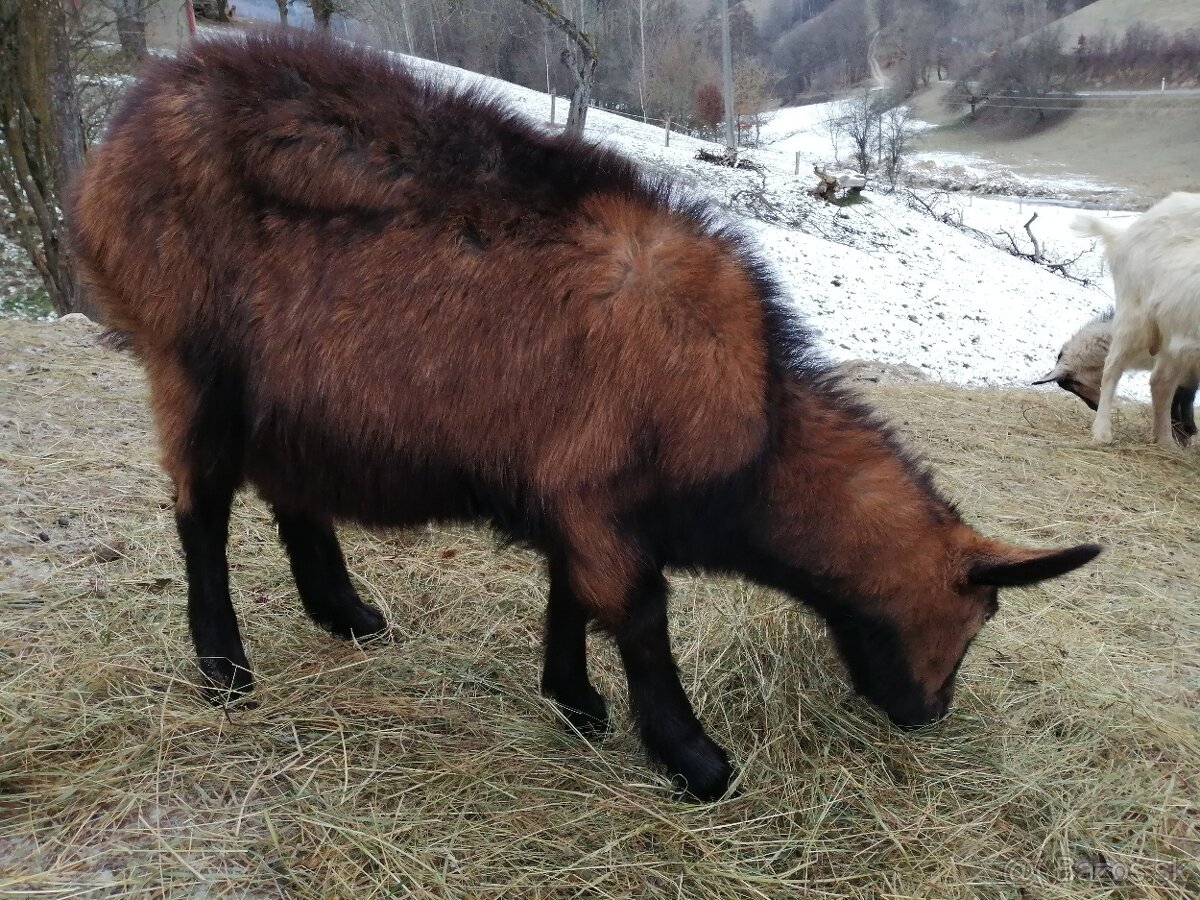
x=669 y=727
x=322 y=580
x=1183 y=413
x=564 y=671
x=204 y=532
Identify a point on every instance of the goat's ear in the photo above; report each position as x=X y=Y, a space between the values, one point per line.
x=1013 y=567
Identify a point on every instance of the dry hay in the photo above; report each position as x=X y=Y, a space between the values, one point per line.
x=430 y=767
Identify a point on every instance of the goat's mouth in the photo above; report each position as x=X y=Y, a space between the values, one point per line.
x=918 y=712
x=1072 y=386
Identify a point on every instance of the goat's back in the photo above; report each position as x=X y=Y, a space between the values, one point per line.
x=388 y=270
x=1156 y=267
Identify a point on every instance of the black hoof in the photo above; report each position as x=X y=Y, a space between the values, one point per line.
x=700 y=769
x=357 y=621
x=225 y=682
x=586 y=711
x=592 y=720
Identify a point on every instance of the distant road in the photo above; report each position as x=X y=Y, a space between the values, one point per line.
x=882 y=82
x=1151 y=92
x=1148 y=92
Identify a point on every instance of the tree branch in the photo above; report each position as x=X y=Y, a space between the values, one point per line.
x=551 y=14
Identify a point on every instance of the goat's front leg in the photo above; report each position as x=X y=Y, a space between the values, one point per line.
x=564 y=670
x=611 y=577
x=1114 y=367
x=670 y=730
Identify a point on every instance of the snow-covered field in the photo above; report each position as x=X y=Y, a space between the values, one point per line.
x=878 y=280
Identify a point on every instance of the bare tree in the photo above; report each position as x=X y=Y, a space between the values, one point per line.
x=677 y=66
x=710 y=105
x=968 y=92
x=1033 y=80
x=896 y=132
x=323 y=12
x=42 y=129
x=860 y=122
x=753 y=86
x=920 y=44
x=131 y=24
x=580 y=58
x=282 y=6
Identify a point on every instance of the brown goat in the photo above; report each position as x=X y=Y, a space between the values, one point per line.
x=378 y=300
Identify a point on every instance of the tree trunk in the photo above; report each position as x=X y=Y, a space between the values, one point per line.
x=409 y=47
x=322 y=11
x=282 y=5
x=42 y=129
x=131 y=29
x=580 y=57
x=727 y=86
x=583 y=67
x=642 y=38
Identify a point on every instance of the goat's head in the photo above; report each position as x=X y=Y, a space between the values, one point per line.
x=903 y=651
x=1080 y=364
x=852 y=526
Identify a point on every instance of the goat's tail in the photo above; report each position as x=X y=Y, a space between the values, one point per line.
x=1091 y=226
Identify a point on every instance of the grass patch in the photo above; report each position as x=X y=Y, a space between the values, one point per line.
x=851 y=198
x=27 y=304
x=429 y=767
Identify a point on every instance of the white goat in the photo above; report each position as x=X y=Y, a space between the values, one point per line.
x=1156 y=269
x=1080 y=368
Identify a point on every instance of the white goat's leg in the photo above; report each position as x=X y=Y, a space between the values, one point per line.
x=1120 y=355
x=1163 y=381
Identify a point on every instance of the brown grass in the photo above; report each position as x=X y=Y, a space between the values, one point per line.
x=430 y=767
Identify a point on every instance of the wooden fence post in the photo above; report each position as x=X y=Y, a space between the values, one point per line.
x=668 y=132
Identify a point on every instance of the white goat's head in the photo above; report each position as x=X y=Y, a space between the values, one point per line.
x=1080 y=363
x=1080 y=368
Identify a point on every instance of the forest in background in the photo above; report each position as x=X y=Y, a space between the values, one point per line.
x=64 y=64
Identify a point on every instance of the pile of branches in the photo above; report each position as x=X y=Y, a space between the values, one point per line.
x=935 y=206
x=723 y=159
x=1066 y=267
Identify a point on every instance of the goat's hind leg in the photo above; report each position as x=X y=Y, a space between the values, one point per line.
x=1183 y=411
x=203 y=523
x=322 y=580
x=1164 y=387
x=197 y=402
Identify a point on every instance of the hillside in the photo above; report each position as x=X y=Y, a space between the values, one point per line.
x=1144 y=145
x=1115 y=16
x=877 y=280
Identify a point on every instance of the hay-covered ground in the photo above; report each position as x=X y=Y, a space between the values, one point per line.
x=430 y=767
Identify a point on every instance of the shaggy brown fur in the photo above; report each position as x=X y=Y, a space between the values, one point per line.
x=377 y=300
